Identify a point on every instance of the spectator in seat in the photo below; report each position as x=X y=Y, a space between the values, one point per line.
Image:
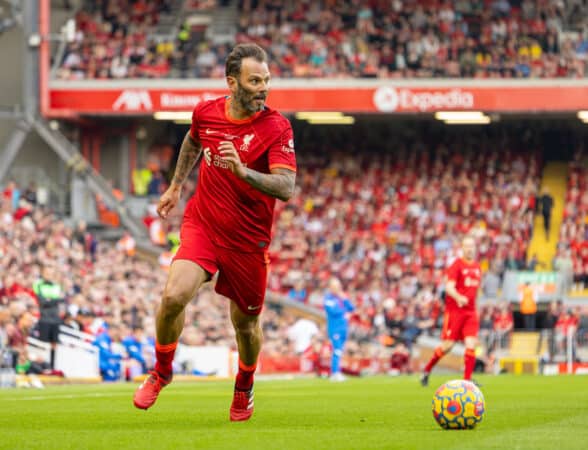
x=491 y=283
x=564 y=328
x=512 y=261
x=298 y=292
x=18 y=334
x=533 y=263
x=301 y=333
x=583 y=326
x=486 y=328
x=6 y=357
x=564 y=266
x=156 y=184
x=133 y=343
x=400 y=359
x=549 y=322
x=141 y=179
x=412 y=326
x=503 y=325
x=109 y=358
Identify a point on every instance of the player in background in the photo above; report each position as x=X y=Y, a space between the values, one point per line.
x=461 y=318
x=337 y=307
x=248 y=162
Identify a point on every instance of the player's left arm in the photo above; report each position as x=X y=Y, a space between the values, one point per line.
x=279 y=183
x=349 y=307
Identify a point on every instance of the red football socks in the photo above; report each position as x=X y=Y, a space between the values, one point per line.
x=437 y=355
x=164 y=353
x=244 y=380
x=469 y=359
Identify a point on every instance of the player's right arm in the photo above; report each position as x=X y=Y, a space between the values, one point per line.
x=189 y=154
x=450 y=289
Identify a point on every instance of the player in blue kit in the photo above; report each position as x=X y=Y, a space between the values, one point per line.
x=337 y=307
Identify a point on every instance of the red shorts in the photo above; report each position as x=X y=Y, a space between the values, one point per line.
x=459 y=325
x=242 y=276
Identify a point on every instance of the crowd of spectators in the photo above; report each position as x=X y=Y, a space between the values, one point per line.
x=389 y=223
x=112 y=41
x=572 y=258
x=344 y=38
x=103 y=289
x=564 y=321
x=425 y=39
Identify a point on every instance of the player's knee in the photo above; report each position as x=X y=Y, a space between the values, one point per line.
x=173 y=302
x=470 y=344
x=446 y=346
x=247 y=329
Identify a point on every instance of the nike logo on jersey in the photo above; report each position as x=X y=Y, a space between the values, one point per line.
x=253 y=308
x=230 y=137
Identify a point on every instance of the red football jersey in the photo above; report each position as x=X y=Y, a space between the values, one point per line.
x=467 y=281
x=235 y=214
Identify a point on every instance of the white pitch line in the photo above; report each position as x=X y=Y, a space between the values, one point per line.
x=50 y=397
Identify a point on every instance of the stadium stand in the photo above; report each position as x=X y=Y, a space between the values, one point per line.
x=572 y=258
x=386 y=223
x=108 y=293
x=389 y=223
x=334 y=39
x=413 y=39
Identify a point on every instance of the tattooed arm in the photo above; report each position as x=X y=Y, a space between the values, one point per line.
x=189 y=153
x=279 y=183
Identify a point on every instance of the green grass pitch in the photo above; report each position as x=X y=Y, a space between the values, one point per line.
x=522 y=412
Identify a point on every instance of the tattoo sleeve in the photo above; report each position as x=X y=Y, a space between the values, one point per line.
x=279 y=184
x=189 y=153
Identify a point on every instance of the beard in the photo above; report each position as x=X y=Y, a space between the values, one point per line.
x=248 y=100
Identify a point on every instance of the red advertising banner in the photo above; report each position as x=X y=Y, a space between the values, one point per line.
x=377 y=99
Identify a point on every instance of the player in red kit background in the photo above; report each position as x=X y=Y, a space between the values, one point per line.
x=247 y=162
x=461 y=318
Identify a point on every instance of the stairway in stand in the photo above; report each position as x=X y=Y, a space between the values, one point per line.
x=555 y=177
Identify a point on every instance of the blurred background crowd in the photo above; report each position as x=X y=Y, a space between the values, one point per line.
x=338 y=39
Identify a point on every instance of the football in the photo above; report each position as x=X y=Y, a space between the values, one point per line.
x=458 y=405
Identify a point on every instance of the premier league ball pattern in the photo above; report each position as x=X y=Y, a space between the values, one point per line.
x=458 y=405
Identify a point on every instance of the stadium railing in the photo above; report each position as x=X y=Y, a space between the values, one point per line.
x=38 y=350
x=75 y=355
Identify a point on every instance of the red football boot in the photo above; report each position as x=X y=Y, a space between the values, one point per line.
x=147 y=393
x=242 y=406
